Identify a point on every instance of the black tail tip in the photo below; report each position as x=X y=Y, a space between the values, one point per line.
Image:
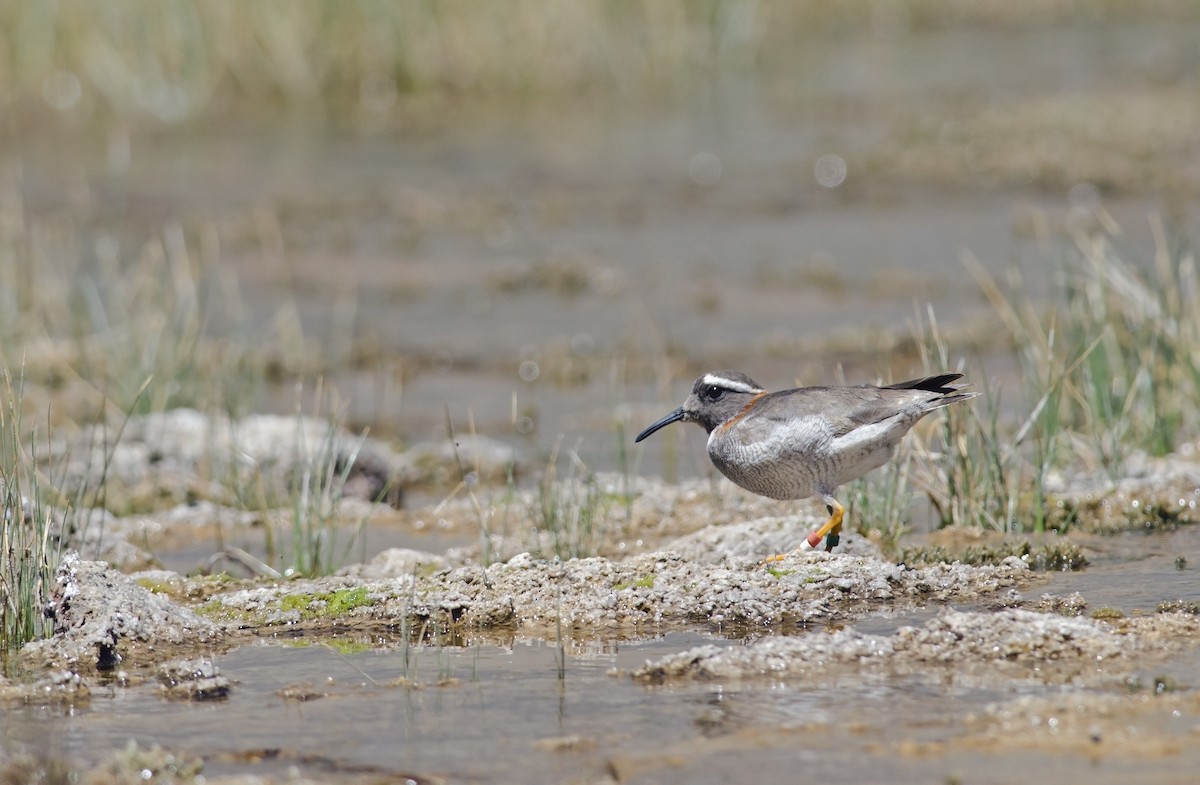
x=935 y=384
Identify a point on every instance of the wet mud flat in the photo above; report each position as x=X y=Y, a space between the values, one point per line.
x=689 y=662
x=501 y=713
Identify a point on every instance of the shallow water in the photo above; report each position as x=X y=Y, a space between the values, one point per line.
x=504 y=713
x=1134 y=572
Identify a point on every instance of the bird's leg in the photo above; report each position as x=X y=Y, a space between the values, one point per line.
x=835 y=532
x=829 y=530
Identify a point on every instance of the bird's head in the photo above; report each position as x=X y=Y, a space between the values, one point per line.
x=716 y=398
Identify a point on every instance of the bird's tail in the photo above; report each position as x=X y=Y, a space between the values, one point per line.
x=941 y=384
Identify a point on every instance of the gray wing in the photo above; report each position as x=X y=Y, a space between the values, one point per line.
x=844 y=408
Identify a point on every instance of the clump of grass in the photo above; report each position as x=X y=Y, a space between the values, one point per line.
x=299 y=493
x=1140 y=385
x=318 y=483
x=1118 y=355
x=567 y=514
x=879 y=503
x=28 y=552
x=963 y=466
x=1110 y=364
x=469 y=478
x=972 y=474
x=572 y=508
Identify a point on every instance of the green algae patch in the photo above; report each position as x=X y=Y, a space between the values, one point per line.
x=297 y=602
x=644 y=582
x=286 y=608
x=326 y=605
x=342 y=602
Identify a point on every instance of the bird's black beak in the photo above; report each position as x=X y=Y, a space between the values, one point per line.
x=674 y=416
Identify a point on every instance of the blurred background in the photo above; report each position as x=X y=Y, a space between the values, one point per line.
x=540 y=220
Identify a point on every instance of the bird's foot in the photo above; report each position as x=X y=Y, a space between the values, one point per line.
x=830 y=532
x=810 y=543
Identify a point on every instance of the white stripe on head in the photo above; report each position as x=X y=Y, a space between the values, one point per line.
x=730 y=384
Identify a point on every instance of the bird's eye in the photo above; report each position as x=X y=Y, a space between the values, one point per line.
x=712 y=392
